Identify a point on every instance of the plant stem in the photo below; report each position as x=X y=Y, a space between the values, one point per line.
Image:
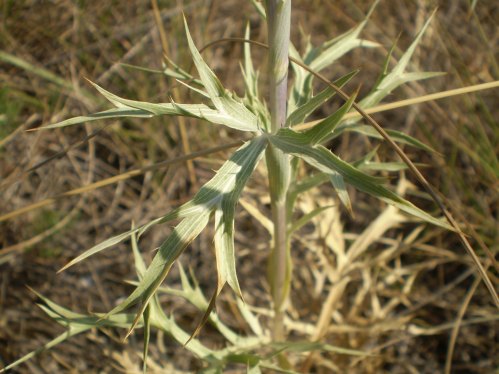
x=278 y=164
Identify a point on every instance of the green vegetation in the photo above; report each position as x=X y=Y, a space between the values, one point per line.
x=366 y=269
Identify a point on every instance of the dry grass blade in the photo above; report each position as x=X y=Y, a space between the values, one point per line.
x=116 y=179
x=457 y=325
x=412 y=101
x=175 y=93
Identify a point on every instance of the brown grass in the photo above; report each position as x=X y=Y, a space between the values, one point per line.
x=406 y=293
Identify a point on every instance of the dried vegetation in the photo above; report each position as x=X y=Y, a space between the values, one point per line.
x=405 y=292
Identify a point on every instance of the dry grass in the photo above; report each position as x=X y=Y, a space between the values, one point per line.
x=407 y=293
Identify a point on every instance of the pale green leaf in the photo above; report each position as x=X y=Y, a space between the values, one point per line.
x=186 y=231
x=398 y=75
x=195 y=89
x=140 y=268
x=59 y=339
x=302 y=221
x=146 y=316
x=241 y=117
x=114 y=240
x=339 y=186
x=237 y=169
x=321 y=158
x=306 y=346
x=397 y=136
x=234 y=173
x=300 y=114
x=259 y=8
x=322 y=130
x=111 y=113
x=322 y=56
x=224 y=249
x=386 y=166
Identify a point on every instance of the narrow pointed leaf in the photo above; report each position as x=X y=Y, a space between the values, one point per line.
x=112 y=241
x=172 y=247
x=156 y=109
x=302 y=221
x=322 y=130
x=313 y=346
x=240 y=165
x=140 y=268
x=59 y=339
x=241 y=117
x=195 y=89
x=111 y=113
x=321 y=158
x=367 y=130
x=231 y=177
x=206 y=314
x=147 y=335
x=398 y=75
x=332 y=50
x=339 y=185
x=387 y=166
x=300 y=114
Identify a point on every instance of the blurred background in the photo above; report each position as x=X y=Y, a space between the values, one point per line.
x=48 y=48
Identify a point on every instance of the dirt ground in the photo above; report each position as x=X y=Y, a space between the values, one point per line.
x=439 y=305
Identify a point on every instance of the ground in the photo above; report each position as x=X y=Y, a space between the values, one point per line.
x=412 y=297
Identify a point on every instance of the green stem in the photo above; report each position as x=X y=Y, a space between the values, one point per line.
x=278 y=164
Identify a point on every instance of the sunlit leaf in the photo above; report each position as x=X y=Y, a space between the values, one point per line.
x=325 y=127
x=230 y=179
x=367 y=130
x=323 y=56
x=339 y=186
x=241 y=117
x=321 y=158
x=306 y=346
x=302 y=221
x=111 y=113
x=398 y=76
x=300 y=114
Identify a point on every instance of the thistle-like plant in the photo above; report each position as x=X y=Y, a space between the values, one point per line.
x=274 y=132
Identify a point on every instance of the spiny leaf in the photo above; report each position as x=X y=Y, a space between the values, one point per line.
x=140 y=267
x=324 y=56
x=230 y=179
x=322 y=130
x=224 y=249
x=224 y=233
x=397 y=136
x=386 y=166
x=241 y=117
x=321 y=158
x=172 y=247
x=110 y=113
x=250 y=77
x=153 y=108
x=313 y=346
x=300 y=114
x=112 y=241
x=59 y=339
x=147 y=335
x=240 y=165
x=339 y=185
x=320 y=57
x=302 y=221
x=398 y=76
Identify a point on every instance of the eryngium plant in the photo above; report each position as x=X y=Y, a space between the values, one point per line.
x=273 y=131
